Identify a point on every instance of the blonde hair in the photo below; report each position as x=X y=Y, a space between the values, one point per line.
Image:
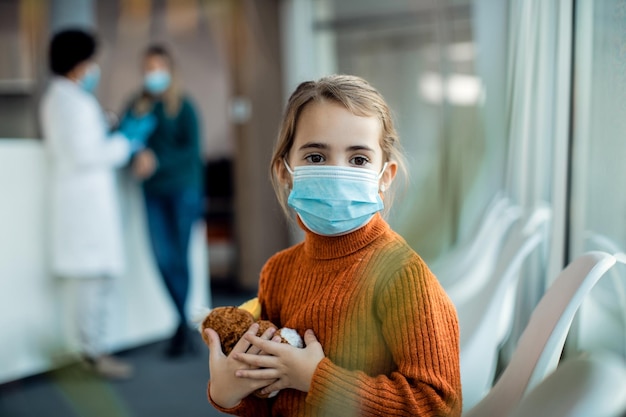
x=356 y=95
x=172 y=97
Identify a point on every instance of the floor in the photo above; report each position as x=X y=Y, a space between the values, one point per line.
x=160 y=388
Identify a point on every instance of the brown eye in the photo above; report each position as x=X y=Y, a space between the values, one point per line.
x=359 y=160
x=314 y=158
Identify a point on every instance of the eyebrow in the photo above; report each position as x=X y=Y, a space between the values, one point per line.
x=318 y=145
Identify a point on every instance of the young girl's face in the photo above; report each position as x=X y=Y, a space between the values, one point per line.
x=329 y=134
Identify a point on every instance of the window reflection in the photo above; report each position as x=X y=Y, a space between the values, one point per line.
x=423 y=57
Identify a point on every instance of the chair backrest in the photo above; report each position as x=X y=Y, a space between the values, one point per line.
x=486 y=318
x=541 y=343
x=589 y=385
x=478 y=255
x=606 y=303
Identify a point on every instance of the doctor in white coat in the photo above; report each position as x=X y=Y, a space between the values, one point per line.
x=87 y=246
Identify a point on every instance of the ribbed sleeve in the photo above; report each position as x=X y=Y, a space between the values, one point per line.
x=389 y=332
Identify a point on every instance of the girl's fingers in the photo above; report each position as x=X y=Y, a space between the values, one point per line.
x=309 y=337
x=215 y=347
x=267 y=335
x=243 y=344
x=269 y=375
x=267 y=346
x=277 y=385
x=257 y=361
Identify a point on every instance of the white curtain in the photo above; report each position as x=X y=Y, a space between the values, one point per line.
x=537 y=102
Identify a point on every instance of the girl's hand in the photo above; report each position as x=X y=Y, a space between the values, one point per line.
x=226 y=389
x=290 y=366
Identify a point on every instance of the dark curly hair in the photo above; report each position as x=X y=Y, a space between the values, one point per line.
x=69 y=48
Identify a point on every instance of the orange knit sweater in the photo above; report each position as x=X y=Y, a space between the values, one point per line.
x=389 y=332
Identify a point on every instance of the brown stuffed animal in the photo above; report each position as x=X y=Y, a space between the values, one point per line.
x=231 y=323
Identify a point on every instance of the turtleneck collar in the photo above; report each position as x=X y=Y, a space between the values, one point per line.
x=333 y=247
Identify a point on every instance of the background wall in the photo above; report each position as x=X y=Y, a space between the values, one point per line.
x=228 y=53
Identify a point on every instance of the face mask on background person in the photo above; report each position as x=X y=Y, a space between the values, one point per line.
x=89 y=81
x=333 y=200
x=157 y=81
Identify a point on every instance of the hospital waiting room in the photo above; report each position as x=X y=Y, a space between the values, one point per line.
x=306 y=208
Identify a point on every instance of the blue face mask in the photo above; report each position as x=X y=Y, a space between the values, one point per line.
x=333 y=200
x=90 y=80
x=157 y=81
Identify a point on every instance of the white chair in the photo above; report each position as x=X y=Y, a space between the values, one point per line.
x=541 y=343
x=590 y=385
x=485 y=306
x=606 y=304
x=477 y=256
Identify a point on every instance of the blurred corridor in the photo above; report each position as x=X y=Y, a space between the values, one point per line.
x=160 y=388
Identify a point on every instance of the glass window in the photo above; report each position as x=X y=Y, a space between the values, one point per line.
x=598 y=203
x=425 y=60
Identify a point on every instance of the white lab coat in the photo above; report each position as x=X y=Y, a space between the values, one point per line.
x=84 y=209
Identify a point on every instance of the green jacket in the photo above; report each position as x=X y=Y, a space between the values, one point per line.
x=176 y=144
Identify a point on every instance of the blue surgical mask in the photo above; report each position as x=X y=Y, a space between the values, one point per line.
x=333 y=200
x=90 y=80
x=157 y=81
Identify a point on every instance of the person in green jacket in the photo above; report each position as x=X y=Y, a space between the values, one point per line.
x=171 y=169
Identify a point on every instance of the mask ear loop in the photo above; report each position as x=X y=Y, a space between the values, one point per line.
x=288 y=170
x=382 y=187
x=288 y=167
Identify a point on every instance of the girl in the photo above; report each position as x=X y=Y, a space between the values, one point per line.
x=381 y=335
x=171 y=170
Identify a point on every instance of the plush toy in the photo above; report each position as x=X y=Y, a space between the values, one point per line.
x=231 y=323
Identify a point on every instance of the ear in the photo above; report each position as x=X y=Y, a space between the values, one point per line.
x=388 y=176
x=284 y=177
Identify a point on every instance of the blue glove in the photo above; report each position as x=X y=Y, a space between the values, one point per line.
x=137 y=129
